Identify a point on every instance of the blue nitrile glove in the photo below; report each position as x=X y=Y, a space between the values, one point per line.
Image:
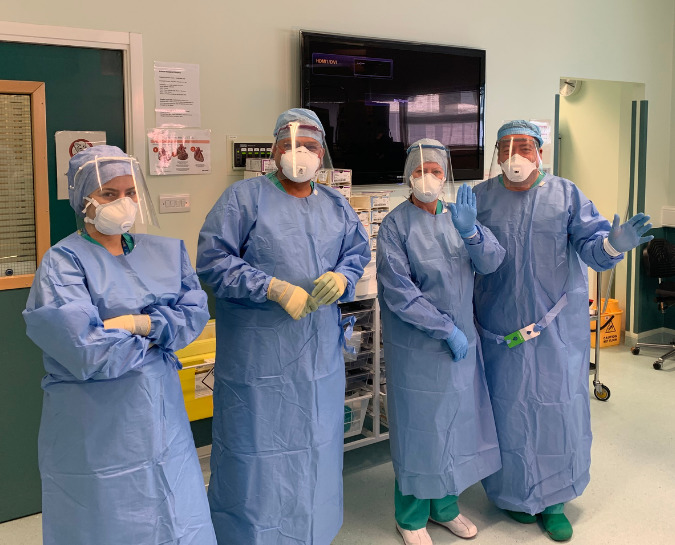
x=458 y=344
x=464 y=212
x=629 y=235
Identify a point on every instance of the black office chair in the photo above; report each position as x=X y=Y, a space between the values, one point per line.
x=658 y=259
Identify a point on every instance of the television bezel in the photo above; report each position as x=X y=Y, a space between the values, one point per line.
x=362 y=41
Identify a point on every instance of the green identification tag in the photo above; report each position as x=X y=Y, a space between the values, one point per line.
x=520 y=336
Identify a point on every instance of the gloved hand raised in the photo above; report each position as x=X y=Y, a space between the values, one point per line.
x=293 y=299
x=136 y=324
x=464 y=211
x=458 y=344
x=629 y=235
x=329 y=288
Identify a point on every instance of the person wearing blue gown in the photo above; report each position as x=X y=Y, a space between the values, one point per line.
x=441 y=429
x=108 y=309
x=532 y=315
x=279 y=251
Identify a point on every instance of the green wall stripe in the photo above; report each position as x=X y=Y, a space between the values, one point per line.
x=631 y=192
x=642 y=156
x=643 y=291
x=556 y=135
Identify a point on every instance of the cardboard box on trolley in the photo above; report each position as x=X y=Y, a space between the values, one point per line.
x=610 y=324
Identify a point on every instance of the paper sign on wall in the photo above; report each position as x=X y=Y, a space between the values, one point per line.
x=177 y=100
x=179 y=151
x=68 y=143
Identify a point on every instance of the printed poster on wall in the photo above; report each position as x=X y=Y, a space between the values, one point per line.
x=68 y=143
x=179 y=151
x=177 y=95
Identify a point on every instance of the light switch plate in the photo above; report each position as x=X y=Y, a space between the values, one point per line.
x=174 y=203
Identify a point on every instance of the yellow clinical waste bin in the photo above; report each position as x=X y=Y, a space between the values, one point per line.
x=610 y=324
x=196 y=377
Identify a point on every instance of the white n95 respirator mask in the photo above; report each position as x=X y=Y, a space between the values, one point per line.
x=427 y=187
x=301 y=165
x=113 y=218
x=517 y=169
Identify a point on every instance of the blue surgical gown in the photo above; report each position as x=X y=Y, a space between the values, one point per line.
x=116 y=454
x=276 y=461
x=442 y=432
x=539 y=389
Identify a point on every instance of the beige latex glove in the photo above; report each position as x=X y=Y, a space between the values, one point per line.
x=293 y=299
x=329 y=287
x=136 y=324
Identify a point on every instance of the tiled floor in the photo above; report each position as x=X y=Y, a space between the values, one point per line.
x=629 y=500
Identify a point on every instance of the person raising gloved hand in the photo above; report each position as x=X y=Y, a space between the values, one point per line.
x=623 y=238
x=442 y=434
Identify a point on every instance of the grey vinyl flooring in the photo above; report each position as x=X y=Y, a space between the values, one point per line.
x=629 y=500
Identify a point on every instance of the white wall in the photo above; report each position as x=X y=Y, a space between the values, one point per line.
x=248 y=54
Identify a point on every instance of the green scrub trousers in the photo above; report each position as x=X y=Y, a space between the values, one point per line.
x=412 y=513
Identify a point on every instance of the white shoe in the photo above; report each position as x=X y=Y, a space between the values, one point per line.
x=415 y=537
x=460 y=526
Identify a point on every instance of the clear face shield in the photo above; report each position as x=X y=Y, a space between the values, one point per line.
x=517 y=158
x=113 y=194
x=428 y=171
x=300 y=152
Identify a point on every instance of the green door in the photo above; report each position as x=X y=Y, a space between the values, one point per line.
x=84 y=90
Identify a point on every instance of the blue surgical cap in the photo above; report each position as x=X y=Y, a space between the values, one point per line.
x=432 y=152
x=520 y=126
x=87 y=182
x=302 y=116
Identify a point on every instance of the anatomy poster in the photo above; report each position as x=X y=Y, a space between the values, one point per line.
x=179 y=151
x=68 y=143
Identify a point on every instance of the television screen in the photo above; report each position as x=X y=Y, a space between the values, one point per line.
x=376 y=97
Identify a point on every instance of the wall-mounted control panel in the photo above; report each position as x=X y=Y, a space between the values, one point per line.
x=249 y=148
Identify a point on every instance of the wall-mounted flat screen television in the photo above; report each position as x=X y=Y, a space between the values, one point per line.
x=376 y=97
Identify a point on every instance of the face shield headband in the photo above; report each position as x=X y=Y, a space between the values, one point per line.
x=427 y=187
x=145 y=213
x=300 y=163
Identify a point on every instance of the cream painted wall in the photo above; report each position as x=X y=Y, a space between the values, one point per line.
x=249 y=61
x=589 y=147
x=595 y=129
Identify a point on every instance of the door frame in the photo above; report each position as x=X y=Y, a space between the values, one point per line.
x=38 y=120
x=131 y=45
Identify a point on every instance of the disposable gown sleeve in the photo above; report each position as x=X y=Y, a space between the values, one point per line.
x=354 y=253
x=587 y=230
x=62 y=321
x=219 y=261
x=485 y=251
x=176 y=323
x=400 y=293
